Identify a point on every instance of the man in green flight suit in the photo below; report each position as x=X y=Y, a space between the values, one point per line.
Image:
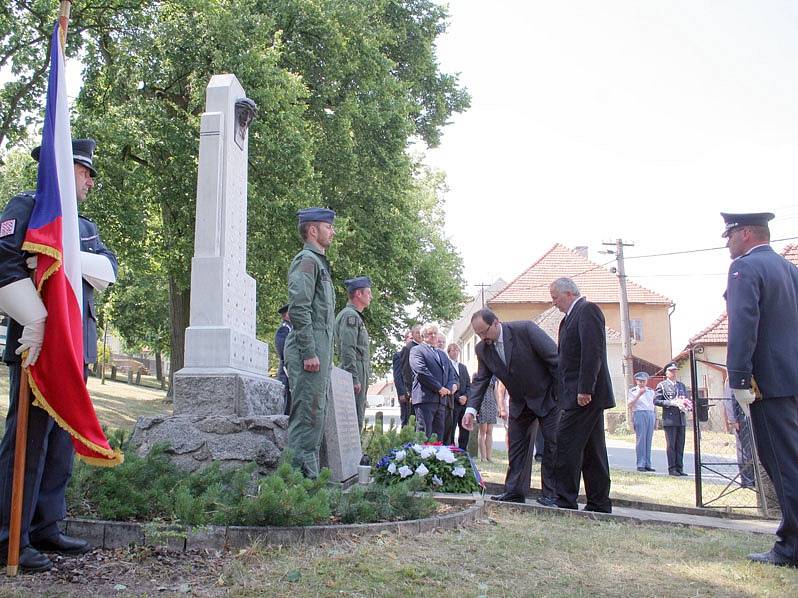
x=308 y=348
x=352 y=340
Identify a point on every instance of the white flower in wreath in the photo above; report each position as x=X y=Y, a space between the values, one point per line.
x=437 y=481
x=392 y=468
x=405 y=471
x=400 y=455
x=427 y=452
x=418 y=448
x=459 y=471
x=445 y=455
x=422 y=470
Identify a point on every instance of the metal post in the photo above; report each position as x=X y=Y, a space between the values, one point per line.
x=699 y=498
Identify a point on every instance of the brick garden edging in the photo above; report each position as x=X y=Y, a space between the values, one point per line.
x=115 y=534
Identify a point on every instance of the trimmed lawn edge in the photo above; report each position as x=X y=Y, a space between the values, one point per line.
x=117 y=534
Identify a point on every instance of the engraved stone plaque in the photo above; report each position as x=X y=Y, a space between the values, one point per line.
x=341 y=445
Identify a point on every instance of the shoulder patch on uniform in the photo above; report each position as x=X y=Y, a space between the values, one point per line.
x=307 y=265
x=7 y=227
x=351 y=321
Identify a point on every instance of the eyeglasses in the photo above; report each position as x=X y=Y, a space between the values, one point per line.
x=484 y=332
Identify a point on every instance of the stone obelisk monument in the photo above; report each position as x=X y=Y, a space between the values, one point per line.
x=225 y=406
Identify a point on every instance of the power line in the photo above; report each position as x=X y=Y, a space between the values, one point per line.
x=687 y=251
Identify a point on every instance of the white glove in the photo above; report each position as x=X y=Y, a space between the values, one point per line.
x=31 y=341
x=744 y=396
x=32 y=262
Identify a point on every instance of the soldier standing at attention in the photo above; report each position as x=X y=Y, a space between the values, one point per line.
x=352 y=340
x=308 y=348
x=762 y=304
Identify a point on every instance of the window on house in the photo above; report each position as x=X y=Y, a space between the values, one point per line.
x=636 y=330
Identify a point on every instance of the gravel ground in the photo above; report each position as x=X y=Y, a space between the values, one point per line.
x=137 y=571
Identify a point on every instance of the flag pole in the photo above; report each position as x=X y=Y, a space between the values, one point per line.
x=18 y=483
x=23 y=403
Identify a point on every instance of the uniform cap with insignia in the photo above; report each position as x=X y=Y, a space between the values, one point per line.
x=736 y=220
x=82 y=153
x=316 y=215
x=361 y=282
x=641 y=376
x=283 y=309
x=671 y=366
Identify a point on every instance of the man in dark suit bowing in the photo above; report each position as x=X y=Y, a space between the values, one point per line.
x=433 y=381
x=584 y=391
x=524 y=358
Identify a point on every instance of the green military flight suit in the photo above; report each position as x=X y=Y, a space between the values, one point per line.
x=352 y=346
x=311 y=299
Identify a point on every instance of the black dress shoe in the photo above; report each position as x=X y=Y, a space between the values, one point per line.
x=641 y=469
x=650 y=469
x=682 y=474
x=547 y=501
x=674 y=473
x=30 y=560
x=771 y=558
x=62 y=544
x=509 y=497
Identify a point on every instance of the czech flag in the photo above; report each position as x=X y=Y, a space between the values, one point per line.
x=56 y=379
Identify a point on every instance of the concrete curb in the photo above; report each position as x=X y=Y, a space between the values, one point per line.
x=636 y=516
x=115 y=534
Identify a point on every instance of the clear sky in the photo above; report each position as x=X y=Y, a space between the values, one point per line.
x=592 y=121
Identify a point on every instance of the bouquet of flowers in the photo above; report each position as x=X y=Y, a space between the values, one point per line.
x=441 y=468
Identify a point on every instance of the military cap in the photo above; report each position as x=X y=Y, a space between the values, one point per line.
x=283 y=309
x=671 y=366
x=82 y=153
x=361 y=282
x=641 y=376
x=315 y=215
x=735 y=220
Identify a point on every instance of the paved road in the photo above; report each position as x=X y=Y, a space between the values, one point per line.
x=621 y=454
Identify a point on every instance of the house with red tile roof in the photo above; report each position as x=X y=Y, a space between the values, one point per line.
x=710 y=345
x=527 y=297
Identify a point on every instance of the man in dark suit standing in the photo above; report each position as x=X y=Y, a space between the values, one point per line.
x=460 y=397
x=524 y=358
x=762 y=305
x=433 y=381
x=406 y=406
x=279 y=344
x=584 y=391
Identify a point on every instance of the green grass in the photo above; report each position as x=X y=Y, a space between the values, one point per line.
x=638 y=486
x=516 y=554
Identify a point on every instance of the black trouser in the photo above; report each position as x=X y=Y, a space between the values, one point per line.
x=775 y=424
x=523 y=431
x=448 y=425
x=582 y=449
x=405 y=409
x=462 y=433
x=674 y=440
x=429 y=418
x=48 y=467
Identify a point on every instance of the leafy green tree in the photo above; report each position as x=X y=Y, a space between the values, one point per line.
x=341 y=87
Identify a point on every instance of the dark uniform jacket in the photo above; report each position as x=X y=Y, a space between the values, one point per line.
x=529 y=374
x=582 y=367
x=13 y=268
x=665 y=393
x=762 y=303
x=279 y=344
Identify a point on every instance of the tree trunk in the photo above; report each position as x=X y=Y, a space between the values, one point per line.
x=179 y=314
x=159 y=367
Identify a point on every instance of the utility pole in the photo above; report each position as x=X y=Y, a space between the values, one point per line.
x=626 y=337
x=482 y=291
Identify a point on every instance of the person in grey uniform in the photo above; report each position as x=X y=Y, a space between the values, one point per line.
x=309 y=346
x=352 y=341
x=48 y=466
x=762 y=307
